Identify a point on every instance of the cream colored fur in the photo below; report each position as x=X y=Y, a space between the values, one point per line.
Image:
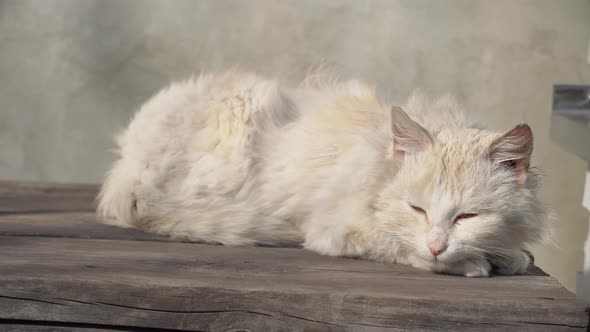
x=238 y=159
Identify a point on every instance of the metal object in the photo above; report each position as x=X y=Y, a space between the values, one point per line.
x=570 y=119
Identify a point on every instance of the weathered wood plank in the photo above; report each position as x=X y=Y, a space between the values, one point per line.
x=87 y=226
x=199 y=287
x=31 y=197
x=47 y=275
x=69 y=224
x=40 y=326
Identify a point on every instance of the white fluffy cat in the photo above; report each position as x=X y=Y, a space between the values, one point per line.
x=238 y=159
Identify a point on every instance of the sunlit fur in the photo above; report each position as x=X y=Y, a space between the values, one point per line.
x=238 y=159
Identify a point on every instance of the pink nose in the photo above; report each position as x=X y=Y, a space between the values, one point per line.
x=437 y=249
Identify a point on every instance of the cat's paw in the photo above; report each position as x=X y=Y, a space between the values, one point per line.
x=479 y=268
x=517 y=263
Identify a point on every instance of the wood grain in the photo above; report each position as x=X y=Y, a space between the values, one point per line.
x=199 y=287
x=69 y=224
x=42 y=326
x=33 y=197
x=61 y=270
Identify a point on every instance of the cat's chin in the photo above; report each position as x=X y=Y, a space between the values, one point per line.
x=443 y=259
x=433 y=264
x=469 y=267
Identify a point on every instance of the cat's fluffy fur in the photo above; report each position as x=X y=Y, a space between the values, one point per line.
x=238 y=159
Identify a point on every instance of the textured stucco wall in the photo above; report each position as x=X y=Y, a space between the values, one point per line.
x=73 y=71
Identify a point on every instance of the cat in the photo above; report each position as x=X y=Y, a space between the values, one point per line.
x=237 y=159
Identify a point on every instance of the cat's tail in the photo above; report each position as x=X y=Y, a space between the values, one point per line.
x=117 y=203
x=213 y=218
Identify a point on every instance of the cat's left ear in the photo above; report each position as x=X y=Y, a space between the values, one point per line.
x=408 y=136
x=514 y=150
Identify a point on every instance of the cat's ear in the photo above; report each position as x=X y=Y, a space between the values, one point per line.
x=408 y=136
x=514 y=150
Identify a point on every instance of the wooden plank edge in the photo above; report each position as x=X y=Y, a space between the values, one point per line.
x=221 y=309
x=39 y=325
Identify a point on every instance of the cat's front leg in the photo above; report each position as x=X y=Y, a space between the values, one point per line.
x=515 y=263
x=472 y=268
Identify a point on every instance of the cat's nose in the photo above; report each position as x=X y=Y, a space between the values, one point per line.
x=437 y=249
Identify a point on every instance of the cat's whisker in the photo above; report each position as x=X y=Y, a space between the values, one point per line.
x=495 y=255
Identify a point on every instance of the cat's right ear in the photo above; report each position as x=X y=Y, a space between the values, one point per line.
x=408 y=136
x=514 y=149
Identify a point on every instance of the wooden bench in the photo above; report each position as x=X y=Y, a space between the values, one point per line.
x=60 y=270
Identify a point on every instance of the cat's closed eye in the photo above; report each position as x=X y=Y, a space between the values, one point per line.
x=464 y=216
x=417 y=209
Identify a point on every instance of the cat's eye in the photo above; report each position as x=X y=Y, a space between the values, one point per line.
x=417 y=209
x=465 y=216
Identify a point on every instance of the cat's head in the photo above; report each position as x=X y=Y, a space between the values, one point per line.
x=460 y=193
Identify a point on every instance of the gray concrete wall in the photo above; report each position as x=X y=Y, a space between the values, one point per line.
x=73 y=71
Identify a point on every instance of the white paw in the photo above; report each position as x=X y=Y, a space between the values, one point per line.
x=473 y=268
x=477 y=269
x=517 y=264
